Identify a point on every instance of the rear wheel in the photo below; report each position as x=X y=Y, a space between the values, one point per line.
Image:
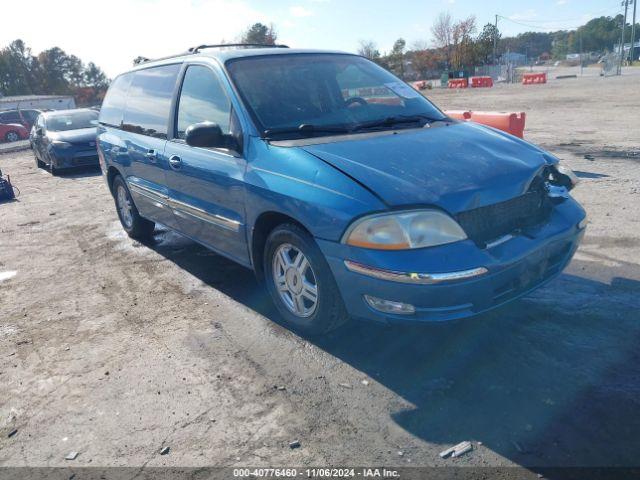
x=135 y=226
x=301 y=283
x=12 y=136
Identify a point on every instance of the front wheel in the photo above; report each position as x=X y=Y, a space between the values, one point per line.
x=301 y=283
x=135 y=226
x=39 y=163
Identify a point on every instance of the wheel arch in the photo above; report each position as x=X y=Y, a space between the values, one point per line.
x=264 y=224
x=112 y=173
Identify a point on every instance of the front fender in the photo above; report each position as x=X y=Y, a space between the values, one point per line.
x=292 y=182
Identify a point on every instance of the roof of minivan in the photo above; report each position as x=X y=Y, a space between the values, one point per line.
x=232 y=53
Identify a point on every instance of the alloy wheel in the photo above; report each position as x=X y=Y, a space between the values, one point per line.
x=124 y=206
x=295 y=280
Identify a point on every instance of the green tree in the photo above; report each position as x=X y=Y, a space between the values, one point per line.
x=18 y=70
x=485 y=42
x=59 y=72
x=560 y=45
x=53 y=71
x=396 y=57
x=94 y=77
x=260 y=34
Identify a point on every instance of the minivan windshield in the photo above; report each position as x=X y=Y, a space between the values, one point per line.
x=61 y=122
x=301 y=95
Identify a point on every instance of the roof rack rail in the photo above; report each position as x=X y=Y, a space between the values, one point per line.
x=193 y=50
x=222 y=45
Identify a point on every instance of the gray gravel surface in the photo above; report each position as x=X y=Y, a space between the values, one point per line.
x=115 y=349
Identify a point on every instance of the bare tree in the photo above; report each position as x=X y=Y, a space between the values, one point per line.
x=442 y=31
x=368 y=49
x=420 y=45
x=464 y=51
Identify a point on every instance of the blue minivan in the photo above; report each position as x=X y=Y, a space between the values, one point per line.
x=343 y=188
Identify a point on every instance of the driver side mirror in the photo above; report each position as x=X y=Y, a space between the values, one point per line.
x=205 y=134
x=39 y=131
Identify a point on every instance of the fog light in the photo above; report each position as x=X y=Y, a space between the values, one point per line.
x=387 y=306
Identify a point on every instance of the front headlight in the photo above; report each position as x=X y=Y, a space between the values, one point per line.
x=60 y=144
x=565 y=176
x=404 y=230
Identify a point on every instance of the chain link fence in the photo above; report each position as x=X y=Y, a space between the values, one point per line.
x=611 y=64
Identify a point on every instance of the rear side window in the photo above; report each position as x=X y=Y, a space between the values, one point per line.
x=29 y=115
x=10 y=117
x=149 y=100
x=202 y=99
x=113 y=105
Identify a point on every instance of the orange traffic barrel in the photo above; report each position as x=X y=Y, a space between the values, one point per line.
x=510 y=122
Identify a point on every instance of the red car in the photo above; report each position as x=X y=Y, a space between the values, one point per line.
x=13 y=132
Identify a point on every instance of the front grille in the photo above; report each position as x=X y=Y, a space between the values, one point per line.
x=85 y=160
x=493 y=221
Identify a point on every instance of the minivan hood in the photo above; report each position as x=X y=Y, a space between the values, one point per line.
x=80 y=136
x=456 y=167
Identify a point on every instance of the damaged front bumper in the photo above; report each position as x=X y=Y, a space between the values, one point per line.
x=455 y=280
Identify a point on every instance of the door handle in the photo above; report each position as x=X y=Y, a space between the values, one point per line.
x=175 y=162
x=151 y=155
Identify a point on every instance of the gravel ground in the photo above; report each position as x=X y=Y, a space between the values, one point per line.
x=116 y=349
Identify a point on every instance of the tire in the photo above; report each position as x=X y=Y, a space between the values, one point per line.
x=130 y=219
x=39 y=163
x=12 y=136
x=52 y=168
x=292 y=293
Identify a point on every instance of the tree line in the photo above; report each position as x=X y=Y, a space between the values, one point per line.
x=51 y=72
x=457 y=45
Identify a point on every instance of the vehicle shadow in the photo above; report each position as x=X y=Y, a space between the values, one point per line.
x=551 y=380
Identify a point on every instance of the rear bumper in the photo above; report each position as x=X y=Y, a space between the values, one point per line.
x=513 y=269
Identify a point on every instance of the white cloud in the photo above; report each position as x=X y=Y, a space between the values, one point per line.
x=300 y=11
x=564 y=2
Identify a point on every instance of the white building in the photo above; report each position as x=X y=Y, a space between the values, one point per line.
x=39 y=102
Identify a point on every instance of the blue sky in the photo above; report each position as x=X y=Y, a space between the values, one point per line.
x=113 y=33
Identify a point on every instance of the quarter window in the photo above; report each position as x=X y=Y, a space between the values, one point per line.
x=202 y=99
x=113 y=105
x=149 y=100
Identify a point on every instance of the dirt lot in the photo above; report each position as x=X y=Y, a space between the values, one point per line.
x=115 y=349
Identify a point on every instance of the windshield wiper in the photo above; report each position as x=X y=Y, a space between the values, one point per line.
x=395 y=120
x=304 y=129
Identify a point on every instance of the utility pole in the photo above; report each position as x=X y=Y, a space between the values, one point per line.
x=495 y=41
x=624 y=24
x=633 y=30
x=580 y=53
